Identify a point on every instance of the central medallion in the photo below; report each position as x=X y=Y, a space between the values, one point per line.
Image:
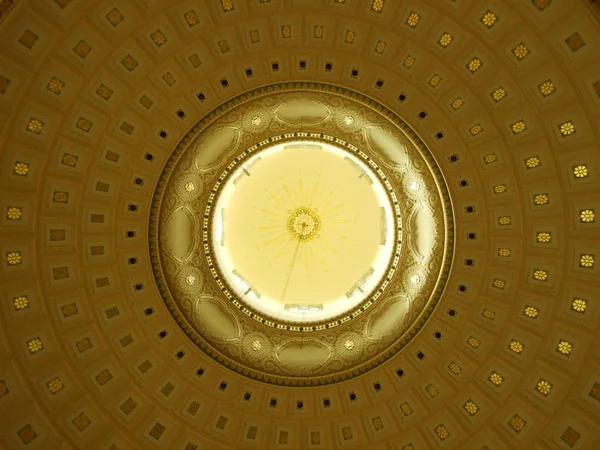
x=303 y=224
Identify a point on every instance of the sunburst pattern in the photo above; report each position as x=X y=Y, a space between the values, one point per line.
x=297 y=205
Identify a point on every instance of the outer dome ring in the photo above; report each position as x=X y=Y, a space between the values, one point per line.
x=426 y=304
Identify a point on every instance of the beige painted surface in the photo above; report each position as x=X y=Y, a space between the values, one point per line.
x=294 y=257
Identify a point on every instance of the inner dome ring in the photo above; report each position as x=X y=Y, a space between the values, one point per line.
x=335 y=271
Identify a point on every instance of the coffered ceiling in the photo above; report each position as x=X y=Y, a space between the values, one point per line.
x=95 y=97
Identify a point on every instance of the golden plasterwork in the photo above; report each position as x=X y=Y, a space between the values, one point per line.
x=303 y=224
x=234 y=331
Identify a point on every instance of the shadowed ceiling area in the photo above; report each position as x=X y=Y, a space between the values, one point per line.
x=95 y=96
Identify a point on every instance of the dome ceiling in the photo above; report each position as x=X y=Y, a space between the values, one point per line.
x=305 y=249
x=96 y=96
